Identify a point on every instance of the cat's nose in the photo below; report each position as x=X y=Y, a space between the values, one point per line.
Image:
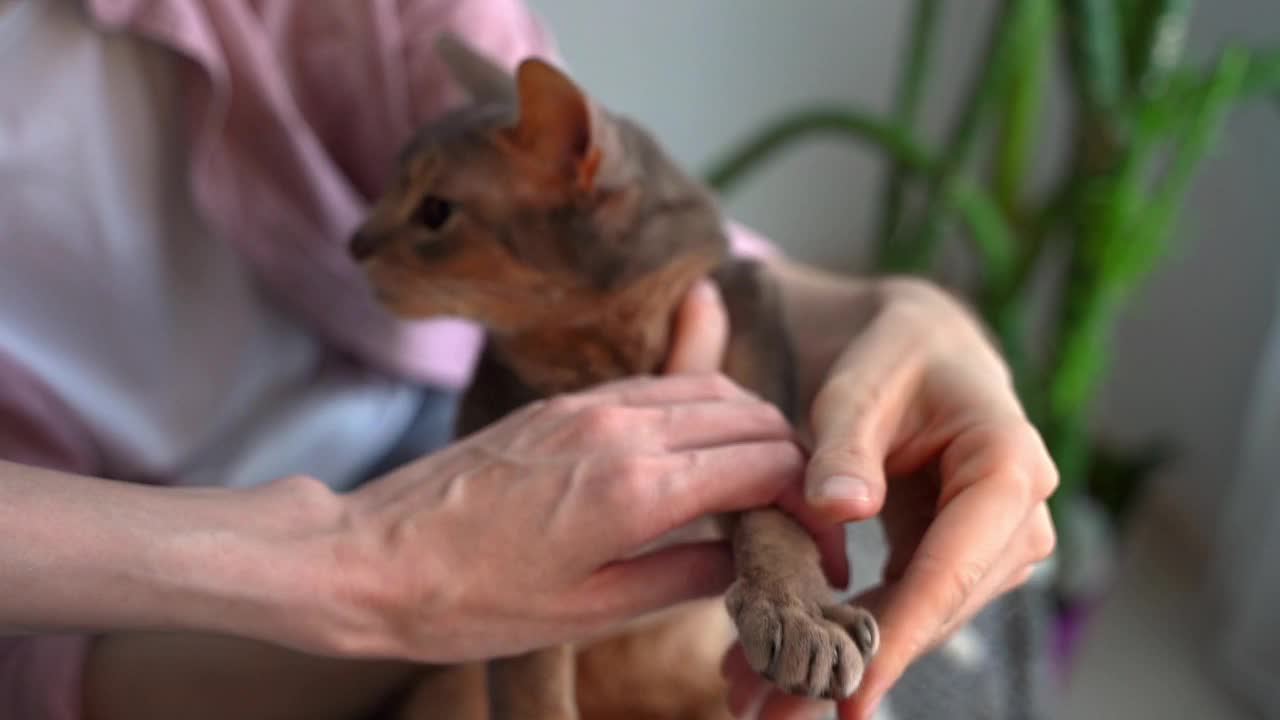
x=363 y=245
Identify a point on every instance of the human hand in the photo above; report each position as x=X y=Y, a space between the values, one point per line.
x=525 y=534
x=917 y=421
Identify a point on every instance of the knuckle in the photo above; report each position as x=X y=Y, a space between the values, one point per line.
x=955 y=584
x=1022 y=445
x=910 y=288
x=1016 y=484
x=1007 y=440
x=962 y=582
x=787 y=459
x=1016 y=457
x=1047 y=477
x=916 y=641
x=630 y=478
x=603 y=422
x=854 y=456
x=1043 y=540
x=848 y=396
x=919 y=303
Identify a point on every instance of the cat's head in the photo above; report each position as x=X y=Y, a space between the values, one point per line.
x=529 y=201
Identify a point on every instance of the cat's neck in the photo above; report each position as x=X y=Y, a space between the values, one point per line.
x=627 y=333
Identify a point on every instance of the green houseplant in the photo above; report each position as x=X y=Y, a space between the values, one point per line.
x=1143 y=118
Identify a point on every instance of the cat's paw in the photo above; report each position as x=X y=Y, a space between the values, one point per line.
x=803 y=648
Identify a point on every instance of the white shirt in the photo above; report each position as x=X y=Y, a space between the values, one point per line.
x=150 y=328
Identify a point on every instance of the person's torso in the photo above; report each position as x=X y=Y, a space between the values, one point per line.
x=114 y=292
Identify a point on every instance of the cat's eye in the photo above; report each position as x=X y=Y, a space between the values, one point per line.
x=434 y=212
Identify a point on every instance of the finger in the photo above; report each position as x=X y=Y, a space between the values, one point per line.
x=1032 y=542
x=707 y=424
x=683 y=426
x=663 y=390
x=666 y=577
x=700 y=331
x=747 y=690
x=650 y=496
x=746 y=687
x=986 y=496
x=854 y=417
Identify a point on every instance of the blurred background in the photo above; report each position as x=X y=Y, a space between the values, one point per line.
x=1112 y=210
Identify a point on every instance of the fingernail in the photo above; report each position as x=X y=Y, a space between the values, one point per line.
x=843 y=487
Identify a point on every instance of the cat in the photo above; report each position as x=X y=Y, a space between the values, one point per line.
x=570 y=236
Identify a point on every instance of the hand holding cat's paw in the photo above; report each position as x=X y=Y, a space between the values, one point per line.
x=801 y=647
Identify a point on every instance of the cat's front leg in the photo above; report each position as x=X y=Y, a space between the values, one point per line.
x=794 y=633
x=535 y=686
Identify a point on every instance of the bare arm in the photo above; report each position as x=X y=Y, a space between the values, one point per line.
x=91 y=554
x=388 y=571
x=144 y=562
x=822 y=312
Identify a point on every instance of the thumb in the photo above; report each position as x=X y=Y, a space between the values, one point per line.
x=845 y=476
x=854 y=417
x=700 y=331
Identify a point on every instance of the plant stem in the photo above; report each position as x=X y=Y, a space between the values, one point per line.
x=991 y=235
x=905 y=107
x=914 y=252
x=1002 y=295
x=1155 y=42
x=806 y=123
x=1220 y=91
x=1022 y=106
x=1094 y=52
x=1120 y=240
x=1094 y=44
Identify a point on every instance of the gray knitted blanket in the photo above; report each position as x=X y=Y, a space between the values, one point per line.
x=995 y=668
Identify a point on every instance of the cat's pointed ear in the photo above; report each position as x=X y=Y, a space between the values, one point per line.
x=483 y=79
x=558 y=127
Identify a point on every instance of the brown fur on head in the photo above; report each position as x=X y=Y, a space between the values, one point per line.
x=534 y=210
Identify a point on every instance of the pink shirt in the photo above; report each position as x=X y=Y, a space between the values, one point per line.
x=295 y=109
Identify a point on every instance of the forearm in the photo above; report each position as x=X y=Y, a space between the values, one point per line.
x=93 y=555
x=822 y=311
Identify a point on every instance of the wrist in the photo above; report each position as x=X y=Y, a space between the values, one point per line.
x=822 y=311
x=375 y=582
x=257 y=563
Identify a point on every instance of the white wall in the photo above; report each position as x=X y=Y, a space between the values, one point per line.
x=702 y=74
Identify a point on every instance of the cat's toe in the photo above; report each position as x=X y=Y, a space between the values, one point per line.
x=859 y=623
